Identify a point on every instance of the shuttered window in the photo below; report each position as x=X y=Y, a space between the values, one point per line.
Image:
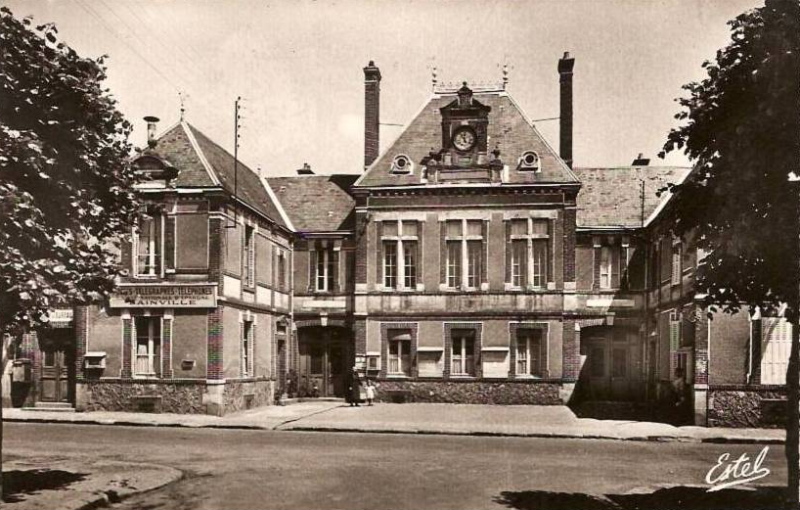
x=776 y=341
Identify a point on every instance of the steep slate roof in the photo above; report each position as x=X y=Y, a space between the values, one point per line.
x=508 y=127
x=203 y=163
x=612 y=197
x=317 y=203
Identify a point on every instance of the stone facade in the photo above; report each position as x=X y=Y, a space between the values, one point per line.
x=470 y=392
x=242 y=395
x=747 y=407
x=133 y=396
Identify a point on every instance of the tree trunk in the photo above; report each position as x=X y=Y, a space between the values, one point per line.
x=793 y=418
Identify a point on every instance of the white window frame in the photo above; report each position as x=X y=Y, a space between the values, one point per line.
x=526 y=341
x=398 y=358
x=462 y=356
x=399 y=255
x=462 y=258
x=155 y=252
x=249 y=270
x=152 y=338
x=532 y=275
x=247 y=348
x=606 y=269
x=324 y=263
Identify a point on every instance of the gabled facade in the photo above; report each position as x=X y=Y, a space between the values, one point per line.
x=201 y=321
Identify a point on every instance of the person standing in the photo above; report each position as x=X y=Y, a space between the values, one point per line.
x=370 y=391
x=355 y=388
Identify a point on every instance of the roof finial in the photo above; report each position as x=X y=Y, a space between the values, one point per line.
x=182 y=95
x=433 y=78
x=505 y=76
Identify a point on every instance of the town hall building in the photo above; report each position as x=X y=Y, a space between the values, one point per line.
x=469 y=262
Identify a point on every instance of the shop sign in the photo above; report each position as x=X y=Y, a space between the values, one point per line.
x=60 y=317
x=164 y=296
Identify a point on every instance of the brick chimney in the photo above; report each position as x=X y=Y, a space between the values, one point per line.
x=565 y=66
x=151 y=130
x=641 y=160
x=372 y=108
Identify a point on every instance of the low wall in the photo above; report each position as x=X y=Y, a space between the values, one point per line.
x=130 y=396
x=241 y=395
x=746 y=406
x=471 y=392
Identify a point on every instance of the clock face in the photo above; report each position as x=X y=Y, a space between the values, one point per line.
x=464 y=139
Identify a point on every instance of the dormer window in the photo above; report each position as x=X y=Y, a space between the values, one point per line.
x=529 y=161
x=402 y=164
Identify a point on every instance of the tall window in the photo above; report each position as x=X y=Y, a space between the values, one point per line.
x=463 y=352
x=281 y=270
x=325 y=270
x=400 y=242
x=400 y=352
x=529 y=352
x=528 y=247
x=148 y=346
x=776 y=341
x=465 y=245
x=247 y=348
x=249 y=255
x=148 y=250
x=609 y=267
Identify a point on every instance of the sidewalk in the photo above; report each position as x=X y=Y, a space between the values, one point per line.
x=454 y=419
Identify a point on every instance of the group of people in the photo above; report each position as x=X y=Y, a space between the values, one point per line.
x=354 y=389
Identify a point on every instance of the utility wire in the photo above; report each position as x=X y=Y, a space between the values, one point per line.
x=88 y=9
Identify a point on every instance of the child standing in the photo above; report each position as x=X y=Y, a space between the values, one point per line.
x=370 y=390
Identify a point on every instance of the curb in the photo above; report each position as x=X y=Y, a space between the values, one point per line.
x=541 y=435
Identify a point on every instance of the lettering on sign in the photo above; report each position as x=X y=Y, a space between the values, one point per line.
x=168 y=296
x=727 y=473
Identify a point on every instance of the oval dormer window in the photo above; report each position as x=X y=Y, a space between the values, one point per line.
x=529 y=161
x=401 y=164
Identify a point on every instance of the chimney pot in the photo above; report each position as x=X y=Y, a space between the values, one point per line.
x=306 y=170
x=151 y=130
x=641 y=160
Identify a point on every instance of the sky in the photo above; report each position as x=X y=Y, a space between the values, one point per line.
x=298 y=65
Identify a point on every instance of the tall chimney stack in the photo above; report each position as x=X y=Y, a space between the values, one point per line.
x=372 y=117
x=565 y=66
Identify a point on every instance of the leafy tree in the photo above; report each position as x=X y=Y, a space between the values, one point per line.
x=741 y=127
x=65 y=183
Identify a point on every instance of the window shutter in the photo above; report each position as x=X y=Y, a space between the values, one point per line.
x=509 y=249
x=169 y=242
x=484 y=252
x=126 y=255
x=312 y=268
x=157 y=361
x=623 y=267
x=597 y=263
x=615 y=269
x=674 y=334
x=548 y=277
x=379 y=252
x=334 y=254
x=442 y=252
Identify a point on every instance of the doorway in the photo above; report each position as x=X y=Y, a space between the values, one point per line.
x=57 y=357
x=325 y=355
x=613 y=368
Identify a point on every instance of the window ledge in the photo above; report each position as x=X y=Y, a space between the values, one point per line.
x=398 y=376
x=464 y=377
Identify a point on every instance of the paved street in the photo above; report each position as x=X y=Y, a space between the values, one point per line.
x=238 y=469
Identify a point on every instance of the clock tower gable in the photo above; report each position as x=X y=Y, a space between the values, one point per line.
x=465 y=126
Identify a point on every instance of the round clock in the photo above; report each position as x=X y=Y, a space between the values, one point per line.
x=464 y=139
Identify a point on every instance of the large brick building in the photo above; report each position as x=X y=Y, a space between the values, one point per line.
x=469 y=262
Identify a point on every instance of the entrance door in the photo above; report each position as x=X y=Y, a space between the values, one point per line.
x=57 y=354
x=613 y=364
x=323 y=361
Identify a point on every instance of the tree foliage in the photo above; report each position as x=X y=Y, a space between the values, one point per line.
x=65 y=183
x=741 y=126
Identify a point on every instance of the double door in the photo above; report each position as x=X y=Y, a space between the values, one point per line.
x=57 y=375
x=323 y=362
x=613 y=369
